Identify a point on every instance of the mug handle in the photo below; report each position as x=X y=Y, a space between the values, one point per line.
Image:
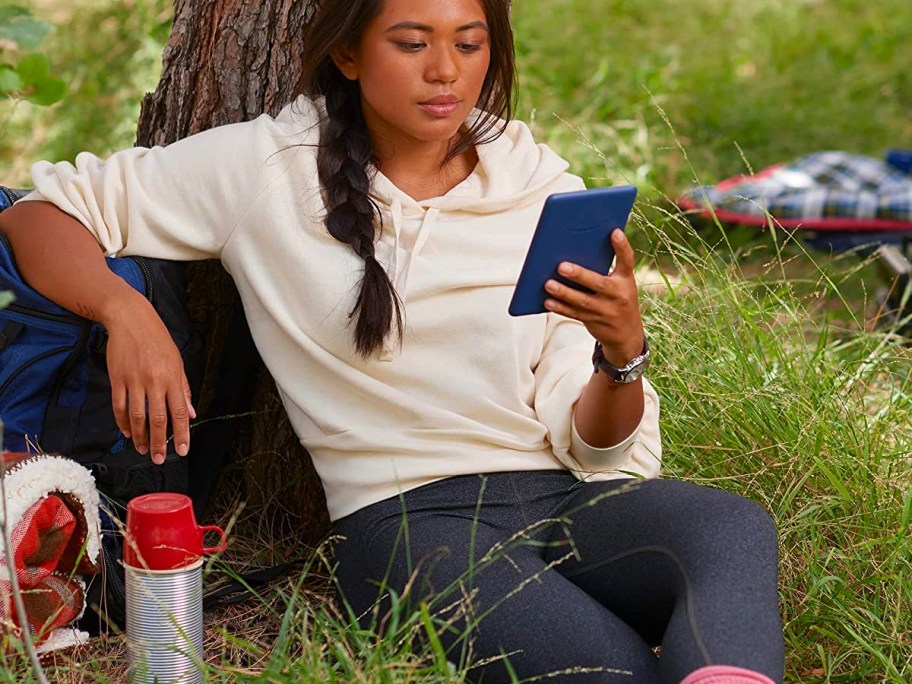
x=223 y=544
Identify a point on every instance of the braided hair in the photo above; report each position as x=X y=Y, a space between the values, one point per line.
x=352 y=216
x=345 y=152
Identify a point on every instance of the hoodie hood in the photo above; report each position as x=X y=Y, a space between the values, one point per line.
x=511 y=170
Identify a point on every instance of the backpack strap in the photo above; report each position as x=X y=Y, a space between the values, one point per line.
x=246 y=586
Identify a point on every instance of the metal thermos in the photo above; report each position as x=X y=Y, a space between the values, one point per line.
x=165 y=625
x=163 y=563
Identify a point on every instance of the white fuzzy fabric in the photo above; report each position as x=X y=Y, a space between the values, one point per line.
x=41 y=475
x=65 y=637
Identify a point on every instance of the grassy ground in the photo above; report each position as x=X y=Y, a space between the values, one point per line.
x=775 y=382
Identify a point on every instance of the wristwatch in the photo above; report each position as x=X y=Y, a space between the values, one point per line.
x=628 y=373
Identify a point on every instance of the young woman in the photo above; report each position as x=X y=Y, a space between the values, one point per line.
x=375 y=230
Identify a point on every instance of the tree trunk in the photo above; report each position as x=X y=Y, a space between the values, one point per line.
x=226 y=61
x=229 y=61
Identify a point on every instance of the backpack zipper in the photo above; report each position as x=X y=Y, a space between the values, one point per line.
x=34 y=313
x=21 y=370
x=147 y=278
x=67 y=366
x=113 y=578
x=11 y=197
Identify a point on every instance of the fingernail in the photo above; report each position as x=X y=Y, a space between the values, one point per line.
x=566 y=269
x=192 y=411
x=127 y=434
x=182 y=449
x=551 y=285
x=158 y=459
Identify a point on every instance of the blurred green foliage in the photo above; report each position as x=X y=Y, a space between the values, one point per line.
x=25 y=73
x=742 y=83
x=108 y=54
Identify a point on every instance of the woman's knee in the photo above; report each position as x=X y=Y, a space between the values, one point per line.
x=708 y=518
x=746 y=520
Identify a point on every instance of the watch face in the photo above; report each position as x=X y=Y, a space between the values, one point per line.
x=629 y=373
x=635 y=373
x=634 y=369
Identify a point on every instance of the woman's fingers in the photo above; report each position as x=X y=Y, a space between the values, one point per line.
x=144 y=413
x=610 y=308
x=149 y=388
x=136 y=408
x=625 y=257
x=119 y=404
x=179 y=407
x=158 y=427
x=566 y=298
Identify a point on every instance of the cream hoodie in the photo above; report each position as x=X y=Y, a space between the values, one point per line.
x=471 y=390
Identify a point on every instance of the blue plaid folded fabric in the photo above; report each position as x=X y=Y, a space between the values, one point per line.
x=833 y=189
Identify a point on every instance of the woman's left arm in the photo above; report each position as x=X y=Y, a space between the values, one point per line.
x=607 y=412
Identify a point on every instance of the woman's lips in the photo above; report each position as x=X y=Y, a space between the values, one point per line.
x=440 y=106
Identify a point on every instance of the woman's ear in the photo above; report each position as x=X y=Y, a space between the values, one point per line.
x=345 y=62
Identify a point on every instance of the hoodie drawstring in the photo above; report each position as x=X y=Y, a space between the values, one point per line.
x=400 y=277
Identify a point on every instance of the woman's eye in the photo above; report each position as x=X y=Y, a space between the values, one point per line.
x=469 y=47
x=410 y=47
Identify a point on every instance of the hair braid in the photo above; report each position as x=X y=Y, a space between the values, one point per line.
x=352 y=216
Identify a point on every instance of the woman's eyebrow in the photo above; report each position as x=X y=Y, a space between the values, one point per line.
x=415 y=26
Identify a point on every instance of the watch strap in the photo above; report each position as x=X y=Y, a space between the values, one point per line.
x=626 y=373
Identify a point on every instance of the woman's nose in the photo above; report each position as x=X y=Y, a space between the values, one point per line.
x=442 y=67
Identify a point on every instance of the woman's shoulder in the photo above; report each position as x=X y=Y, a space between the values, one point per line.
x=296 y=124
x=516 y=164
x=303 y=115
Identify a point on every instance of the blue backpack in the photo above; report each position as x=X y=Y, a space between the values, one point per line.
x=55 y=396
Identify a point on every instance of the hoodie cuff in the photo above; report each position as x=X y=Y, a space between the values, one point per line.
x=607 y=458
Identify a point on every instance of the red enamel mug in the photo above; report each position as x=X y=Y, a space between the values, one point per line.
x=162 y=534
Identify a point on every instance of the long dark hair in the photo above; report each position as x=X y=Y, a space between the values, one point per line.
x=346 y=152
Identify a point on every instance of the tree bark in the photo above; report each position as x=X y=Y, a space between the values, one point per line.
x=226 y=61
x=229 y=61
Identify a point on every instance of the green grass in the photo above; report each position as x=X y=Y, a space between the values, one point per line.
x=776 y=78
x=767 y=394
x=774 y=381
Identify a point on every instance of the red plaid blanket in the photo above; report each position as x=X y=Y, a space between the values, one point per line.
x=48 y=545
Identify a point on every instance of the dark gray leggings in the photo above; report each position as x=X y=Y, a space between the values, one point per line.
x=603 y=572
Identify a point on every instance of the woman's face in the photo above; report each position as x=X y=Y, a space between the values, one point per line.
x=420 y=65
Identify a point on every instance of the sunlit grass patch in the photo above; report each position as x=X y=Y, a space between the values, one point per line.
x=775 y=382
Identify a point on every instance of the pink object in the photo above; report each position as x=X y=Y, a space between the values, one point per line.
x=162 y=533
x=725 y=674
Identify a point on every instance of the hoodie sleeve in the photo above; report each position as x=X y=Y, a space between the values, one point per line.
x=177 y=202
x=560 y=377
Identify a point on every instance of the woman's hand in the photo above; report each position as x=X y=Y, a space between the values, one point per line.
x=147 y=373
x=612 y=312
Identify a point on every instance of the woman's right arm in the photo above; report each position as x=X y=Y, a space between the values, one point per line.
x=60 y=259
